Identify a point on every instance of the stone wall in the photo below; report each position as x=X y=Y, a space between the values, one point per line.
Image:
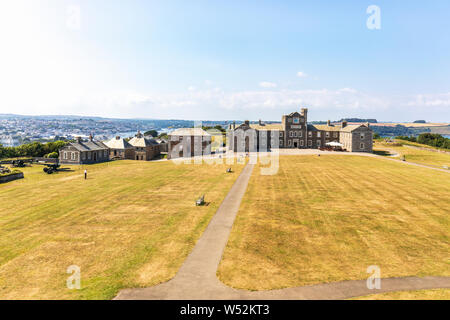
x=11 y=177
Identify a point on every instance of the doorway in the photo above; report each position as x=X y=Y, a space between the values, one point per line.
x=295 y=144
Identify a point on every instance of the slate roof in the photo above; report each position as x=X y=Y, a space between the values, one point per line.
x=143 y=142
x=118 y=143
x=90 y=145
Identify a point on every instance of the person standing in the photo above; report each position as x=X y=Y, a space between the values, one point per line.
x=85 y=174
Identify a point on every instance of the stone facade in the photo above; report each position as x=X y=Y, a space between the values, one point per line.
x=145 y=149
x=189 y=142
x=295 y=132
x=84 y=152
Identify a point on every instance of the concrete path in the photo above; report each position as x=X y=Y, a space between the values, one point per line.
x=197 y=280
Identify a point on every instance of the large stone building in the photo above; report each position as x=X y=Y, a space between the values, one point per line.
x=145 y=149
x=84 y=152
x=119 y=148
x=189 y=142
x=295 y=132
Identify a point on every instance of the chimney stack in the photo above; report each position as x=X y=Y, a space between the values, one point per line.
x=260 y=122
x=117 y=137
x=234 y=125
x=328 y=123
x=344 y=124
x=78 y=139
x=247 y=122
x=304 y=112
x=91 y=137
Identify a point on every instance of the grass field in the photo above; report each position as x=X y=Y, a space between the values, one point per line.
x=327 y=219
x=412 y=154
x=130 y=224
x=434 y=294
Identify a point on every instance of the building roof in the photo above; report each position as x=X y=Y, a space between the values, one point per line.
x=325 y=127
x=90 y=145
x=140 y=141
x=118 y=143
x=352 y=127
x=268 y=126
x=189 y=132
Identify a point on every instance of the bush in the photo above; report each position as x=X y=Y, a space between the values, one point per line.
x=52 y=155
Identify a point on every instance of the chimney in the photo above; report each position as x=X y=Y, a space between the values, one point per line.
x=304 y=112
x=344 y=124
x=247 y=122
x=234 y=125
x=91 y=137
x=368 y=124
x=328 y=123
x=260 y=122
x=78 y=139
x=117 y=137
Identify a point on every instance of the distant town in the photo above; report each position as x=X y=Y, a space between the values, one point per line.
x=18 y=129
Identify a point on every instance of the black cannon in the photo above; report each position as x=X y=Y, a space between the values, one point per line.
x=18 y=164
x=200 y=201
x=51 y=167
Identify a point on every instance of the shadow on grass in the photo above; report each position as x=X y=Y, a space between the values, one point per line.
x=382 y=153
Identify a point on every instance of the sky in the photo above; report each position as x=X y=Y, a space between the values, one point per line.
x=224 y=60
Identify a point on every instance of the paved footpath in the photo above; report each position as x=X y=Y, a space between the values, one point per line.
x=197 y=280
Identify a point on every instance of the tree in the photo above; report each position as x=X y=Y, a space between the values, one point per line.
x=152 y=133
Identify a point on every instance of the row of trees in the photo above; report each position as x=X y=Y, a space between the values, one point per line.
x=430 y=139
x=34 y=149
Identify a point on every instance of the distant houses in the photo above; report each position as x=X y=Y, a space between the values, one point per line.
x=93 y=151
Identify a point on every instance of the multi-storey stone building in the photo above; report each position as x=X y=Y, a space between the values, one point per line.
x=295 y=132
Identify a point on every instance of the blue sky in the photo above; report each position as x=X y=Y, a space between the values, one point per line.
x=225 y=59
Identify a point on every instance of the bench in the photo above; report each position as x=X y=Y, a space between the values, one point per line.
x=200 y=201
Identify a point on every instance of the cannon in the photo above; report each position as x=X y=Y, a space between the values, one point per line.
x=51 y=167
x=229 y=170
x=4 y=170
x=18 y=164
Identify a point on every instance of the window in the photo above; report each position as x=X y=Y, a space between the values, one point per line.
x=89 y=155
x=83 y=156
x=281 y=142
x=289 y=142
x=335 y=134
x=290 y=133
x=296 y=120
x=362 y=135
x=327 y=134
x=105 y=153
x=289 y=120
x=295 y=133
x=318 y=143
x=300 y=134
x=361 y=146
x=72 y=155
x=318 y=134
x=302 y=143
x=310 y=134
x=65 y=155
x=310 y=143
x=281 y=133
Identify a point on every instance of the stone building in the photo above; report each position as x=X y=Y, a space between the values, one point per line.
x=295 y=132
x=84 y=152
x=119 y=148
x=189 y=142
x=145 y=149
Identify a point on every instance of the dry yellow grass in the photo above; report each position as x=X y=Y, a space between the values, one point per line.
x=325 y=219
x=130 y=224
x=413 y=154
x=433 y=294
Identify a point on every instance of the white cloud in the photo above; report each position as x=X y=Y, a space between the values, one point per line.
x=301 y=74
x=191 y=88
x=266 y=84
